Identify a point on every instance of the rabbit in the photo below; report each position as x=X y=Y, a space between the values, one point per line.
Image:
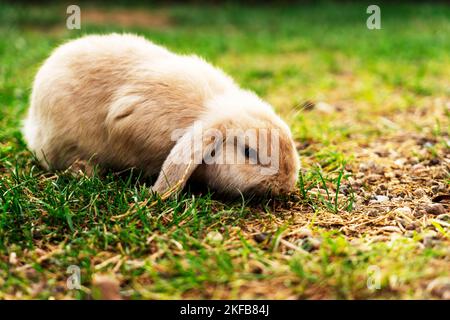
x=119 y=101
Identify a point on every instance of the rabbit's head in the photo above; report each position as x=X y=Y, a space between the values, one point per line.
x=233 y=150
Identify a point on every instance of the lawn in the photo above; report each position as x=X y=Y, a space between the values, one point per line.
x=369 y=110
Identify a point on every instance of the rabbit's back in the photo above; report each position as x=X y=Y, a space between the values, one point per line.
x=118 y=98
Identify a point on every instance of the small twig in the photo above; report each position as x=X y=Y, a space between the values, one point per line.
x=114 y=259
x=44 y=257
x=292 y=246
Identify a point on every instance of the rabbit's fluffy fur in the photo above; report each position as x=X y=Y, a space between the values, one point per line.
x=115 y=100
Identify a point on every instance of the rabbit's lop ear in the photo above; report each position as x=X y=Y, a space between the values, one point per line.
x=185 y=157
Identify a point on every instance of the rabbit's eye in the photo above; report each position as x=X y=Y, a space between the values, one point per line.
x=250 y=153
x=247 y=152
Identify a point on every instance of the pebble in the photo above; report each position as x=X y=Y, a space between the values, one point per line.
x=373 y=213
x=418 y=213
x=403 y=210
x=418 y=167
x=391 y=229
x=324 y=107
x=419 y=193
x=400 y=162
x=440 y=288
x=435 y=209
x=214 y=237
x=442 y=198
x=412 y=226
x=444 y=217
x=439 y=187
x=261 y=237
x=434 y=162
x=13 y=258
x=381 y=199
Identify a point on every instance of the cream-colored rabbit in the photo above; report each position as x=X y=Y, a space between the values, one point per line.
x=120 y=101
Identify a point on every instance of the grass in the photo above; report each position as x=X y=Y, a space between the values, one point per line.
x=369 y=111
